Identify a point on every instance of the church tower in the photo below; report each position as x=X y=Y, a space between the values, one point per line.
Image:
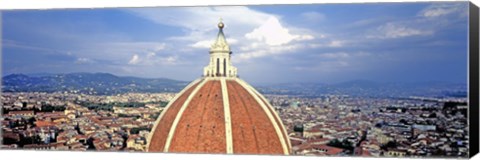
x=220 y=54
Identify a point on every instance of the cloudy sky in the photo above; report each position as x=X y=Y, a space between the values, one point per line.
x=329 y=43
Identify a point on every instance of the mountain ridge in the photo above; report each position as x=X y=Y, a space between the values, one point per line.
x=106 y=84
x=89 y=83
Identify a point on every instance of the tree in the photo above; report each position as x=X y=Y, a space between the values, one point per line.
x=137 y=130
x=90 y=144
x=8 y=140
x=154 y=116
x=32 y=121
x=390 y=144
x=345 y=144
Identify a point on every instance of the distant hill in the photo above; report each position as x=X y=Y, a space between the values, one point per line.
x=367 y=88
x=108 y=84
x=88 y=83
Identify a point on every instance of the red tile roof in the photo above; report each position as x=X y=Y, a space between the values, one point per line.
x=44 y=123
x=329 y=149
x=201 y=127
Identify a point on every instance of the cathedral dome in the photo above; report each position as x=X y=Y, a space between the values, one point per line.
x=219 y=113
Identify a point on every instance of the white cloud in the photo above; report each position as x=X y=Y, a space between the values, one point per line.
x=153 y=59
x=391 y=30
x=251 y=46
x=159 y=47
x=83 y=61
x=336 y=43
x=208 y=43
x=170 y=60
x=203 y=44
x=255 y=33
x=151 y=54
x=331 y=44
x=134 y=60
x=335 y=55
x=270 y=38
x=266 y=51
x=444 y=9
x=273 y=33
x=343 y=55
x=203 y=19
x=232 y=41
x=435 y=18
x=305 y=37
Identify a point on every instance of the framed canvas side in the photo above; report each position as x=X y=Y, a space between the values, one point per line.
x=473 y=79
